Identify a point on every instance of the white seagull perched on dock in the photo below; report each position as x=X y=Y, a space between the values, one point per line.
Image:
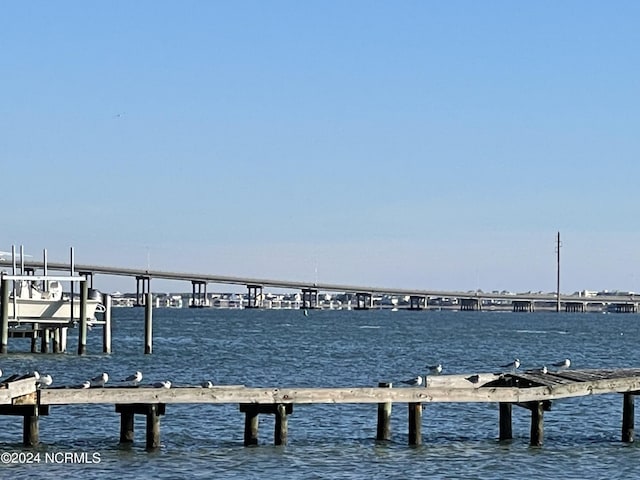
x=134 y=378
x=86 y=384
x=414 y=382
x=566 y=363
x=435 y=369
x=165 y=384
x=207 y=384
x=100 y=380
x=513 y=365
x=45 y=381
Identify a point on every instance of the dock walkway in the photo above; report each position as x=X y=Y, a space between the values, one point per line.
x=531 y=389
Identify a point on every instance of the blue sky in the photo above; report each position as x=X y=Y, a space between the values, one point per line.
x=436 y=145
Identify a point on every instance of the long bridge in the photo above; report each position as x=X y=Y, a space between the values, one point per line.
x=470 y=300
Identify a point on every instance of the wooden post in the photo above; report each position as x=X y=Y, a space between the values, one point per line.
x=250 y=426
x=384 y=417
x=34 y=338
x=148 y=324
x=44 y=344
x=281 y=424
x=63 y=339
x=628 y=407
x=126 y=427
x=82 y=333
x=153 y=427
x=31 y=431
x=106 y=328
x=415 y=423
x=537 y=423
x=4 y=315
x=56 y=340
x=506 y=432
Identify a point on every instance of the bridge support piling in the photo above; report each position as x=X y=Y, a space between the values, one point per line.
x=254 y=296
x=522 y=306
x=364 y=301
x=309 y=298
x=574 y=307
x=417 y=302
x=198 y=294
x=142 y=288
x=470 y=304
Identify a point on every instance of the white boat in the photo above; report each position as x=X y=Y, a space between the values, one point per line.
x=31 y=302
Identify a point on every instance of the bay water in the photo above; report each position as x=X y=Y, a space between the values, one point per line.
x=327 y=348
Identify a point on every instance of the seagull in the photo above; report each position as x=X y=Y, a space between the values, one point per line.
x=134 y=378
x=513 y=365
x=86 y=384
x=435 y=369
x=165 y=384
x=0 y=373
x=566 y=363
x=207 y=384
x=45 y=381
x=544 y=369
x=414 y=382
x=100 y=380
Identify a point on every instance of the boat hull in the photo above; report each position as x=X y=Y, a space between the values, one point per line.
x=34 y=309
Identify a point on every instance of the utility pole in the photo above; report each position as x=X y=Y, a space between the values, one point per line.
x=558 y=245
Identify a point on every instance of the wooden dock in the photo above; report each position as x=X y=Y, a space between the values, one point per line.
x=532 y=390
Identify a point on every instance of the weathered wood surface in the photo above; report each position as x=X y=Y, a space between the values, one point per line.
x=11 y=391
x=337 y=395
x=461 y=381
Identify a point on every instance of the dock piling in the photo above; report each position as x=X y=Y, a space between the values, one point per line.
x=82 y=333
x=415 y=423
x=152 y=412
x=281 y=425
x=34 y=338
x=127 y=426
x=56 y=340
x=506 y=432
x=31 y=429
x=106 y=328
x=4 y=315
x=153 y=427
x=628 y=420
x=148 y=324
x=250 y=425
x=537 y=423
x=383 y=431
